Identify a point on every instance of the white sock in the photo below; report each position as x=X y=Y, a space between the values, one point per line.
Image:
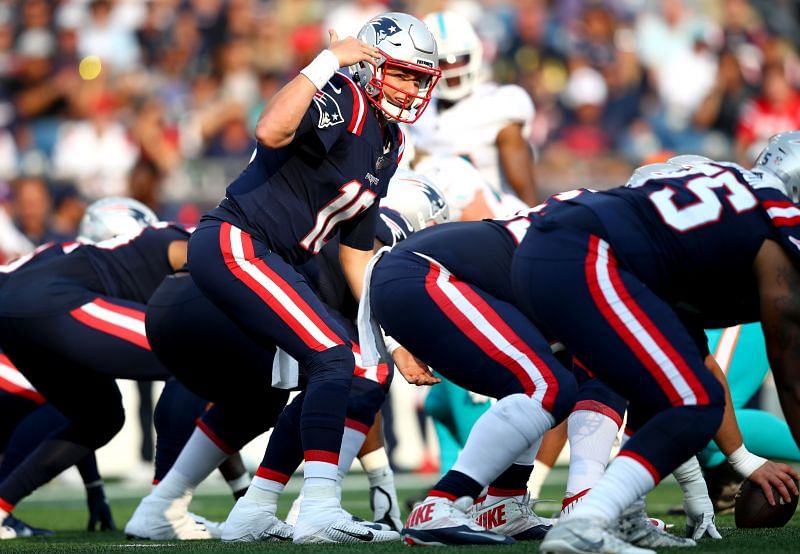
x=320 y=474
x=352 y=439
x=239 y=483
x=623 y=483
x=591 y=437
x=538 y=477
x=3 y=515
x=199 y=457
x=265 y=488
x=505 y=432
x=524 y=459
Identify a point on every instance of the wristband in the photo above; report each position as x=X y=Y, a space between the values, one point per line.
x=391 y=344
x=744 y=462
x=321 y=69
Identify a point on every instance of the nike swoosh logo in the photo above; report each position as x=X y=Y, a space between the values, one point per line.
x=592 y=545
x=336 y=90
x=491 y=536
x=279 y=537
x=366 y=536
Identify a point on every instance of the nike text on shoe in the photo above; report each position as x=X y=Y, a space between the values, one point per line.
x=439 y=522
x=513 y=518
x=636 y=528
x=345 y=530
x=162 y=519
x=583 y=536
x=250 y=521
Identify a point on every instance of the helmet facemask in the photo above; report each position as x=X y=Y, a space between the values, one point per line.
x=407 y=46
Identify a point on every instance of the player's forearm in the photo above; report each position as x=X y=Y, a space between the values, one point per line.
x=354 y=264
x=789 y=396
x=516 y=160
x=729 y=436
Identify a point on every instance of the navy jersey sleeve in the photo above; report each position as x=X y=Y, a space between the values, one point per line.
x=336 y=109
x=784 y=217
x=359 y=233
x=392 y=227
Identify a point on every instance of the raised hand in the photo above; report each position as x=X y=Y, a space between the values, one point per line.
x=350 y=50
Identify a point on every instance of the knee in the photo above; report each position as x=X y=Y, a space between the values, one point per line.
x=335 y=363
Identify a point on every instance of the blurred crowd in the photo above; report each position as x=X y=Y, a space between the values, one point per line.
x=157 y=99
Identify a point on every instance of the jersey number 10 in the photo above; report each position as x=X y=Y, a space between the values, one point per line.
x=351 y=201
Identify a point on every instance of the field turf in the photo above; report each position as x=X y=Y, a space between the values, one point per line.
x=63 y=510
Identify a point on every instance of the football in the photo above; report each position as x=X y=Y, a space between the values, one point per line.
x=752 y=509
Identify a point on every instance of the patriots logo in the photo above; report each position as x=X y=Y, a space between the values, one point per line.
x=329 y=112
x=384 y=27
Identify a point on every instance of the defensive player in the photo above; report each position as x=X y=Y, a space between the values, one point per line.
x=482 y=121
x=608 y=269
x=327 y=147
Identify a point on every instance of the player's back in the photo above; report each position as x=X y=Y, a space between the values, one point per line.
x=470 y=127
x=129 y=267
x=691 y=235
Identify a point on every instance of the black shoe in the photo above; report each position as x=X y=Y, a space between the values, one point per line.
x=25 y=530
x=723 y=482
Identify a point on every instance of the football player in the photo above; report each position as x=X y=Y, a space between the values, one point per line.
x=445 y=293
x=482 y=121
x=612 y=268
x=327 y=146
x=94 y=295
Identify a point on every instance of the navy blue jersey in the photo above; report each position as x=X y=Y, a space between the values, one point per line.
x=691 y=235
x=327 y=180
x=478 y=252
x=129 y=268
x=324 y=272
x=40 y=254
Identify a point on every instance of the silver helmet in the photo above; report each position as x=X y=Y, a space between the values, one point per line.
x=460 y=54
x=647 y=172
x=781 y=158
x=112 y=217
x=407 y=44
x=417 y=199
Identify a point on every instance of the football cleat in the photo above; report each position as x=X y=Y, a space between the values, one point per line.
x=7 y=533
x=636 y=528
x=250 y=521
x=22 y=529
x=513 y=518
x=439 y=521
x=582 y=535
x=569 y=502
x=345 y=530
x=385 y=508
x=163 y=519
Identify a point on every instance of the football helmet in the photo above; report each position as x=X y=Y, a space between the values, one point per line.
x=112 y=217
x=460 y=54
x=689 y=160
x=417 y=199
x=407 y=44
x=781 y=158
x=644 y=173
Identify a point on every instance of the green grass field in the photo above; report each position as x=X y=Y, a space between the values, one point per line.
x=64 y=510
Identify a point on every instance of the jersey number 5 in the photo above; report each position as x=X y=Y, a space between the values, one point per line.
x=707 y=207
x=351 y=201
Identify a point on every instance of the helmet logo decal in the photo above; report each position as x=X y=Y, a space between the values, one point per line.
x=329 y=112
x=384 y=28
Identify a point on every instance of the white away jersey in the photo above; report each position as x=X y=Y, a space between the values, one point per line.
x=469 y=128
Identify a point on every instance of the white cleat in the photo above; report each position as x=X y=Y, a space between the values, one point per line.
x=513 y=518
x=250 y=521
x=214 y=527
x=636 y=528
x=438 y=521
x=345 y=530
x=161 y=519
x=385 y=508
x=7 y=533
x=584 y=536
